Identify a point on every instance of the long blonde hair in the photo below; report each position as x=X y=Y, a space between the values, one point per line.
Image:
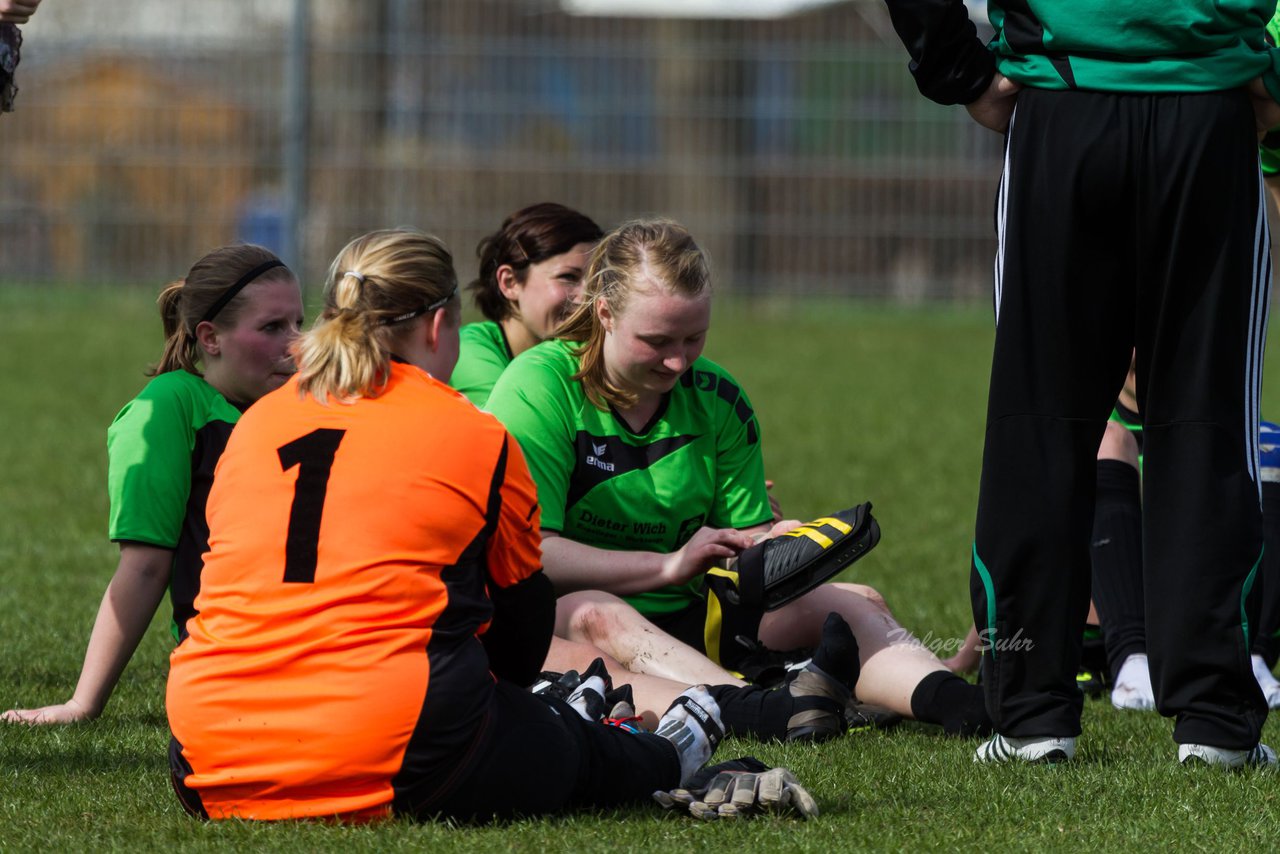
x=185 y=302
x=377 y=283
x=633 y=257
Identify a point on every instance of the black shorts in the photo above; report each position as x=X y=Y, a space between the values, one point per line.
x=533 y=756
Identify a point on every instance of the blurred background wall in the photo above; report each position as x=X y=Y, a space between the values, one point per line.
x=795 y=147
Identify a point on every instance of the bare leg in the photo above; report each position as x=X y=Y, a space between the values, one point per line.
x=967 y=657
x=608 y=623
x=811 y=707
x=893 y=661
x=652 y=693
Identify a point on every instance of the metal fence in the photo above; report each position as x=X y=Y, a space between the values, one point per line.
x=796 y=149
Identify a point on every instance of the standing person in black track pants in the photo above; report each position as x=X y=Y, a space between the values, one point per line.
x=1130 y=213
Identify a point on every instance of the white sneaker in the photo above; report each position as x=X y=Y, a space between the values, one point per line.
x=1259 y=756
x=1047 y=749
x=1267 y=682
x=1133 y=685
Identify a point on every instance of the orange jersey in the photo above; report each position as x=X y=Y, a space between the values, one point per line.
x=342 y=599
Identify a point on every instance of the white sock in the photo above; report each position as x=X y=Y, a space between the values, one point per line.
x=1133 y=685
x=1266 y=681
x=693 y=727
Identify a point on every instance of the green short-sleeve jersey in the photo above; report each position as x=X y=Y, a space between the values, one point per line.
x=483 y=354
x=698 y=462
x=161 y=452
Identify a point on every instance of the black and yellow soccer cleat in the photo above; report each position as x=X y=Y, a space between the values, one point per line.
x=778 y=570
x=863 y=717
x=1091 y=683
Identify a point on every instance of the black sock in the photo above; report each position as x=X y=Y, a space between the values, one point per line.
x=1116 y=556
x=805 y=707
x=945 y=699
x=837 y=655
x=752 y=710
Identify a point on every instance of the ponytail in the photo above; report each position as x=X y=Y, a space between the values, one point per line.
x=345 y=354
x=179 y=344
x=377 y=282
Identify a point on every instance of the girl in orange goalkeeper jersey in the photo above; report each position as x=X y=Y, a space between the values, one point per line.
x=373 y=595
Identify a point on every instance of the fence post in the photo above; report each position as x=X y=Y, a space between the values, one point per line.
x=296 y=132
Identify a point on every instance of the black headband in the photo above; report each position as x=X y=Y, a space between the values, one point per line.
x=230 y=293
x=426 y=309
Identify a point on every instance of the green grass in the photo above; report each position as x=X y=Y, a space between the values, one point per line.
x=858 y=402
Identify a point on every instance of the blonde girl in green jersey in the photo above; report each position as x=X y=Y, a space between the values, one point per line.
x=648 y=462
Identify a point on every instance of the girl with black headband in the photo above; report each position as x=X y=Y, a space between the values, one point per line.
x=228 y=326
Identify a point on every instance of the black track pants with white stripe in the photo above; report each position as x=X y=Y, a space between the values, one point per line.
x=1125 y=220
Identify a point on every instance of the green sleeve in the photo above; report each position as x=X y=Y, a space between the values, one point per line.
x=741 y=500
x=480 y=363
x=532 y=399
x=149 y=464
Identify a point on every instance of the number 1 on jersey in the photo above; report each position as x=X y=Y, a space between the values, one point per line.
x=313 y=455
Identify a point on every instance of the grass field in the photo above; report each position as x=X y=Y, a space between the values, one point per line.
x=857 y=402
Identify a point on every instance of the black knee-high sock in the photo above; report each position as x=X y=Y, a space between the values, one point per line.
x=749 y=710
x=1117 y=561
x=945 y=699
x=1267 y=585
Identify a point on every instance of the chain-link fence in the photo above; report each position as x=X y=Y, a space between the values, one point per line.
x=796 y=149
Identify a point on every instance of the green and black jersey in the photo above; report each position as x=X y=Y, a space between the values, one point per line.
x=698 y=462
x=1099 y=45
x=483 y=355
x=162 y=450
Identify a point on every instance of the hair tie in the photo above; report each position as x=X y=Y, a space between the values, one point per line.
x=353 y=274
x=230 y=293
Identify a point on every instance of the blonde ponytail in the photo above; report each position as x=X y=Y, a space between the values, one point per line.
x=376 y=283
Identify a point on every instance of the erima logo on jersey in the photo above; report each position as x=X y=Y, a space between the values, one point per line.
x=594 y=459
x=592 y=469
